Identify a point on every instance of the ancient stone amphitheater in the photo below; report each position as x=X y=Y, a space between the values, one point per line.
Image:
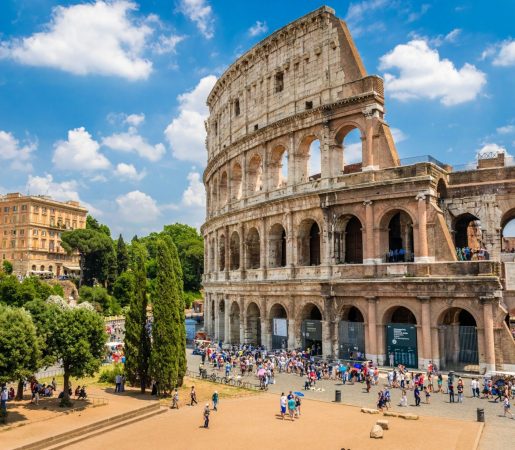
x=348 y=259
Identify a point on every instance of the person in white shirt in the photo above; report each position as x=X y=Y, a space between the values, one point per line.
x=474 y=384
x=404 y=399
x=283 y=405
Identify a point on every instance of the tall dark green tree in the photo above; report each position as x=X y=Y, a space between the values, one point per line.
x=166 y=332
x=122 y=256
x=137 y=338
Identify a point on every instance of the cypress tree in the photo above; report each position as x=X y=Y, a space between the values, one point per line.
x=166 y=333
x=122 y=255
x=181 y=345
x=137 y=339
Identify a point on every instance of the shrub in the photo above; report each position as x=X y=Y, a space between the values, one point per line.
x=108 y=375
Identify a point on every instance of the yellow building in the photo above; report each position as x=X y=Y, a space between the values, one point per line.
x=30 y=231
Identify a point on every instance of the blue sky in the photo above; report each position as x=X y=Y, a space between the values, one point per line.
x=104 y=101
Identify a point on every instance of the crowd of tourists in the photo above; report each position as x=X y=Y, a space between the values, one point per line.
x=470 y=254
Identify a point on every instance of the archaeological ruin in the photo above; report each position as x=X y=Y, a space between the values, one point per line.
x=378 y=257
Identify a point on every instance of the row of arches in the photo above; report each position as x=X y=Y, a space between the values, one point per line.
x=282 y=167
x=457 y=332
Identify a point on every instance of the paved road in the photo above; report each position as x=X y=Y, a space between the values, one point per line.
x=498 y=429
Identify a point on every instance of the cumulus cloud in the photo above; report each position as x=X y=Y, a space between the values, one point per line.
x=258 y=28
x=358 y=12
x=201 y=13
x=492 y=149
x=398 y=135
x=135 y=119
x=415 y=15
x=80 y=152
x=132 y=142
x=195 y=194
x=506 y=55
x=186 y=133
x=90 y=38
x=137 y=207
x=166 y=44
x=422 y=74
x=129 y=172
x=17 y=154
x=507 y=129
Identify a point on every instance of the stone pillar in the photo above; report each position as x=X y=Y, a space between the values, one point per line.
x=325 y=152
x=424 y=359
x=207 y=314
x=215 y=253
x=371 y=344
x=326 y=338
x=326 y=239
x=435 y=347
x=488 y=318
x=335 y=341
x=423 y=252
x=243 y=322
x=241 y=232
x=227 y=318
x=291 y=334
x=290 y=241
x=263 y=245
x=367 y=141
x=217 y=320
x=244 y=181
x=292 y=160
x=369 y=256
x=227 y=252
x=266 y=337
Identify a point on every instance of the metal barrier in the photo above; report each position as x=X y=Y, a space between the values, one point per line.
x=231 y=381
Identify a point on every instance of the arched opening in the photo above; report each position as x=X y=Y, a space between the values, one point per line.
x=311 y=329
x=401 y=337
x=467 y=234
x=308 y=159
x=235 y=323
x=221 y=321
x=400 y=238
x=348 y=240
x=458 y=340
x=253 y=330
x=508 y=236
x=34 y=267
x=42 y=268
x=277 y=246
x=309 y=243
x=278 y=167
x=214 y=195
x=212 y=256
x=279 y=324
x=441 y=191
x=349 y=138
x=253 y=249
x=255 y=175
x=51 y=269
x=224 y=189
x=236 y=181
x=213 y=322
x=351 y=334
x=314 y=161
x=221 y=253
x=234 y=251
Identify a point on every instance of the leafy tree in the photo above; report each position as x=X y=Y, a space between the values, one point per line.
x=123 y=288
x=100 y=299
x=9 y=290
x=94 y=224
x=122 y=255
x=92 y=245
x=166 y=334
x=137 y=338
x=7 y=267
x=77 y=340
x=19 y=349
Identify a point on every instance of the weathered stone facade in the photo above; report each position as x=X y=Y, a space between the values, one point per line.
x=313 y=251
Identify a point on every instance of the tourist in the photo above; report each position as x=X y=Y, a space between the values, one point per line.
x=404 y=399
x=428 y=394
x=282 y=402
x=175 y=399
x=297 y=405
x=3 y=400
x=12 y=394
x=507 y=406
x=193 y=396
x=54 y=384
x=416 y=393
x=206 y=416
x=391 y=357
x=291 y=408
x=474 y=387
x=460 y=390
x=450 y=390
x=214 y=398
x=118 y=383
x=82 y=393
x=439 y=382
x=122 y=383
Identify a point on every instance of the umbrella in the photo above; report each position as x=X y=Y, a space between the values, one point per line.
x=299 y=394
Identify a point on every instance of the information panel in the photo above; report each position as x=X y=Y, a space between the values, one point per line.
x=280 y=327
x=401 y=340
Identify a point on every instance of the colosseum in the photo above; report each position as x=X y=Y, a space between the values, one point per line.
x=380 y=258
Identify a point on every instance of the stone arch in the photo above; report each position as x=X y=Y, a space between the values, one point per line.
x=399 y=314
x=278 y=167
x=508 y=231
x=212 y=249
x=234 y=251
x=214 y=194
x=51 y=268
x=467 y=231
x=253 y=329
x=352 y=313
x=277 y=246
x=401 y=336
x=221 y=253
x=348 y=240
x=303 y=157
x=350 y=154
x=235 y=321
x=441 y=190
x=236 y=181
x=309 y=243
x=255 y=174
x=396 y=233
x=224 y=189
x=278 y=323
x=312 y=328
x=351 y=333
x=34 y=267
x=253 y=249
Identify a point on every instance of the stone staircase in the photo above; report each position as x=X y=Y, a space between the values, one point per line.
x=504 y=349
x=80 y=434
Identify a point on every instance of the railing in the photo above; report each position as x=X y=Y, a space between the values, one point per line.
x=230 y=381
x=422 y=159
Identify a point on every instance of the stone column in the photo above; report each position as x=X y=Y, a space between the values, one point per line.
x=244 y=181
x=243 y=322
x=290 y=242
x=227 y=318
x=335 y=339
x=215 y=253
x=369 y=256
x=489 y=363
x=326 y=239
x=424 y=359
x=266 y=337
x=423 y=252
x=371 y=344
x=325 y=153
x=207 y=314
x=241 y=232
x=435 y=348
x=263 y=245
x=367 y=141
x=227 y=252
x=326 y=338
x=217 y=320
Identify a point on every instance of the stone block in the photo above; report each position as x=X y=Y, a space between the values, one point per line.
x=376 y=432
x=391 y=414
x=383 y=424
x=408 y=416
x=369 y=411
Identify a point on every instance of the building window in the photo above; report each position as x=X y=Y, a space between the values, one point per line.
x=24 y=207
x=43 y=233
x=43 y=243
x=309 y=105
x=52 y=233
x=279 y=82
x=22 y=232
x=15 y=208
x=43 y=211
x=36 y=209
x=74 y=225
x=237 y=107
x=13 y=244
x=34 y=232
x=52 y=210
x=52 y=221
x=6 y=209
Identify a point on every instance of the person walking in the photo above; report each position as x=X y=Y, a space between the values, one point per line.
x=460 y=390
x=474 y=387
x=193 y=396
x=404 y=399
x=507 y=406
x=282 y=402
x=416 y=392
x=206 y=416
x=118 y=383
x=175 y=399
x=4 y=395
x=214 y=398
x=297 y=405
x=291 y=408
x=450 y=388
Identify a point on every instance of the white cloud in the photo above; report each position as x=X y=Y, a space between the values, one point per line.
x=398 y=135
x=132 y=142
x=415 y=15
x=452 y=36
x=129 y=172
x=137 y=207
x=507 y=129
x=201 y=13
x=80 y=152
x=186 y=133
x=491 y=148
x=258 y=28
x=195 y=194
x=357 y=12
x=422 y=74
x=19 y=155
x=506 y=55
x=89 y=38
x=135 y=119
x=166 y=44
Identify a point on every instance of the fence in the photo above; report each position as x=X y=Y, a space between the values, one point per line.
x=230 y=381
